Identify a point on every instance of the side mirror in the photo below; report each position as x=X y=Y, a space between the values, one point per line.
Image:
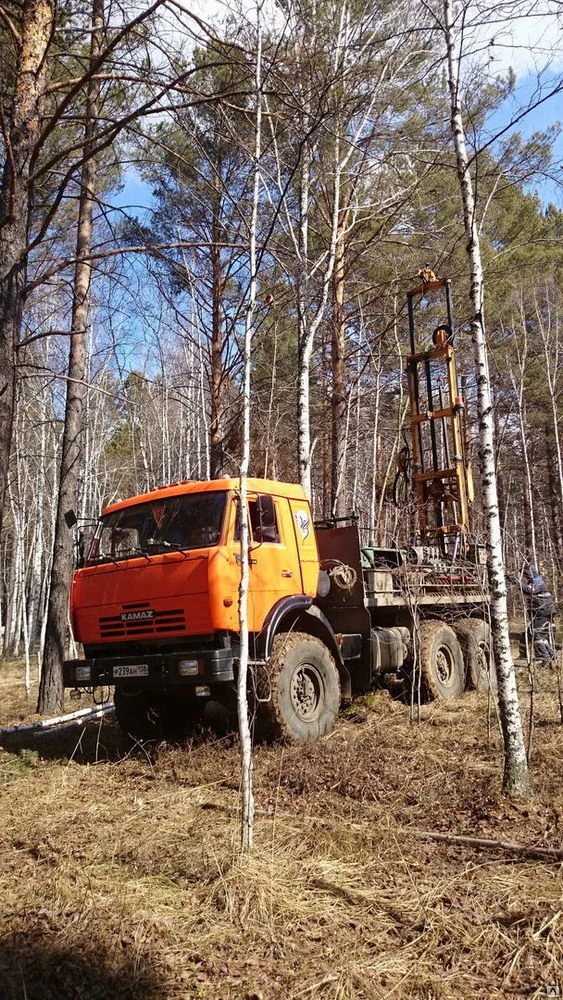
x=70 y=518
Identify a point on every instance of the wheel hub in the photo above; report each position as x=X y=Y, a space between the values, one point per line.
x=306 y=691
x=443 y=666
x=483 y=659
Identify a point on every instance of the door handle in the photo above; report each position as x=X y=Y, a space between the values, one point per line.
x=286 y=572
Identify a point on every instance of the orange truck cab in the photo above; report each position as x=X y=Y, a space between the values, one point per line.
x=155 y=602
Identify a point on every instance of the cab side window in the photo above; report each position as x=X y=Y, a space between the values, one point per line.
x=263 y=520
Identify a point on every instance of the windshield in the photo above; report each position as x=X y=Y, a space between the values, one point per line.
x=189 y=521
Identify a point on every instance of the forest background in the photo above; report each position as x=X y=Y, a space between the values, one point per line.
x=121 y=345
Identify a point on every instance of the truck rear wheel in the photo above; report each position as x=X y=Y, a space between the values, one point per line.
x=474 y=635
x=441 y=661
x=298 y=691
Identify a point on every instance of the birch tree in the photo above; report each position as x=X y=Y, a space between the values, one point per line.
x=516 y=781
x=247 y=798
x=547 y=314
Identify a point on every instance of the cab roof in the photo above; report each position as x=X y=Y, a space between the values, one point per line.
x=292 y=491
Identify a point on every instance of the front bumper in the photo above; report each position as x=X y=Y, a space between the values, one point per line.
x=154 y=672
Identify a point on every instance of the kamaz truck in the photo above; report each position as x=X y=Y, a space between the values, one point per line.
x=155 y=601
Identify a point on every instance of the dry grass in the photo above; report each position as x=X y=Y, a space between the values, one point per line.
x=120 y=876
x=16 y=707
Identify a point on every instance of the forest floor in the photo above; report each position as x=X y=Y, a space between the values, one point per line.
x=120 y=877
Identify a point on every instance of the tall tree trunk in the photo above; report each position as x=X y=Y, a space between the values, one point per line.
x=307 y=329
x=37 y=557
x=518 y=379
x=20 y=138
x=374 y=534
x=339 y=389
x=516 y=780
x=502 y=491
x=552 y=358
x=51 y=687
x=304 y=338
x=216 y=421
x=529 y=508
x=246 y=789
x=555 y=493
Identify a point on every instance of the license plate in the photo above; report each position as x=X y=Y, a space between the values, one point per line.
x=132 y=670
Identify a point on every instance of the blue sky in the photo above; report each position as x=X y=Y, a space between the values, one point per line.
x=541 y=118
x=526 y=44
x=531 y=46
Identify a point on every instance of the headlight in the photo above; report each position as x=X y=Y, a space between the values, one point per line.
x=187 y=668
x=83 y=674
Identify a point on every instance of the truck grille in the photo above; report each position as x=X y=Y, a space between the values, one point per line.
x=161 y=623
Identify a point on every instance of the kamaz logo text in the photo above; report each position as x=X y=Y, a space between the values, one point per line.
x=136 y=616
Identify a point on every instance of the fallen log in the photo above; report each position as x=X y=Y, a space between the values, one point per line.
x=80 y=717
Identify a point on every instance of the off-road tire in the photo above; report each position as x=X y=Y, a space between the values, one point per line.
x=474 y=636
x=441 y=661
x=298 y=691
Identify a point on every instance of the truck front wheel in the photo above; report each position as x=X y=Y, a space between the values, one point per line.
x=298 y=692
x=441 y=661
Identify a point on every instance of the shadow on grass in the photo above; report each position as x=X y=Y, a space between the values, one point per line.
x=42 y=971
x=99 y=741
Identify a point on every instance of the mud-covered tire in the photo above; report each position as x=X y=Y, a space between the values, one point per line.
x=298 y=691
x=441 y=661
x=474 y=636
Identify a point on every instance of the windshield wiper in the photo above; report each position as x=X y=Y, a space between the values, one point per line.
x=137 y=552
x=164 y=543
x=126 y=554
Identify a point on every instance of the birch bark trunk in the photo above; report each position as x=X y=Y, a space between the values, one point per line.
x=246 y=790
x=51 y=692
x=216 y=380
x=37 y=558
x=308 y=330
x=516 y=780
x=518 y=382
x=304 y=339
x=550 y=336
x=555 y=491
x=339 y=393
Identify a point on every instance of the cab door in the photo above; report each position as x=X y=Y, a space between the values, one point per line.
x=275 y=570
x=306 y=541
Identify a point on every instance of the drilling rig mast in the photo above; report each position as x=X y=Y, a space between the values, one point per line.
x=442 y=477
